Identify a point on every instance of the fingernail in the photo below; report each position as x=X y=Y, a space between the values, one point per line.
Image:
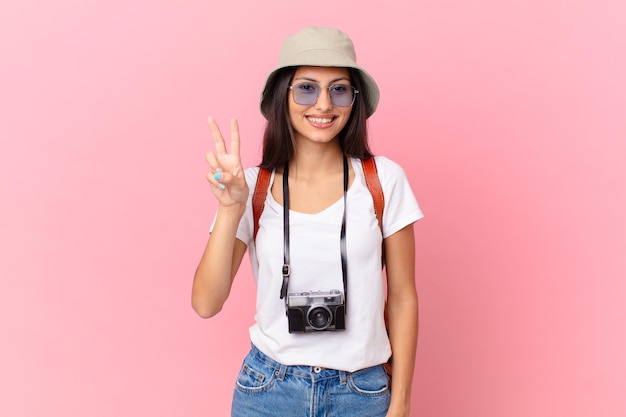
x=218 y=175
x=222 y=187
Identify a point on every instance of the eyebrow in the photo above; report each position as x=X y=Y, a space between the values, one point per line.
x=316 y=81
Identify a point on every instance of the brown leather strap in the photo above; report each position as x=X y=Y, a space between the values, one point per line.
x=376 y=190
x=258 y=198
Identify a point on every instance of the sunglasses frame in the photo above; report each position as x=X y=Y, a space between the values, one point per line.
x=319 y=91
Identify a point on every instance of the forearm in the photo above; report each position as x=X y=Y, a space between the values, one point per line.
x=402 y=316
x=219 y=263
x=403 y=330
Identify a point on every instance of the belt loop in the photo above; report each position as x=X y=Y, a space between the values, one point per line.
x=343 y=377
x=280 y=373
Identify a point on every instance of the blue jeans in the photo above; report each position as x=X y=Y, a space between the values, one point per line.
x=265 y=388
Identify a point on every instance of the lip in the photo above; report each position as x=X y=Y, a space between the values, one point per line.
x=321 y=122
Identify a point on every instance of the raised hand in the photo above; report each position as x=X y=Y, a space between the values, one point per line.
x=226 y=176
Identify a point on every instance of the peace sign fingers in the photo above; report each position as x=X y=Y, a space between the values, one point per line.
x=226 y=174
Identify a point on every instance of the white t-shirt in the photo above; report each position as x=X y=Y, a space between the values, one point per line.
x=316 y=266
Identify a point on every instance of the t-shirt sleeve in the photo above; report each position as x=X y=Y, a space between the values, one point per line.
x=401 y=207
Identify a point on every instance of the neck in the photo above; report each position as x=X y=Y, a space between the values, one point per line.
x=317 y=159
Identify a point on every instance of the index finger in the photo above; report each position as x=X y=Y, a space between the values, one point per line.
x=220 y=147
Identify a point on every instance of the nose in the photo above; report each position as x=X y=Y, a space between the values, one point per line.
x=323 y=100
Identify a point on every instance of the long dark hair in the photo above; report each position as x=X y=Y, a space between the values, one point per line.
x=278 y=139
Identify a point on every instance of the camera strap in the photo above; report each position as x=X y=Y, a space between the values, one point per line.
x=344 y=257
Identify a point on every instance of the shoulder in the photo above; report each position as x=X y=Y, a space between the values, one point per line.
x=401 y=207
x=389 y=170
x=383 y=162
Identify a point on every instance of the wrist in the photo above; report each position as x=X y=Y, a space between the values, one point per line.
x=398 y=410
x=231 y=211
x=400 y=401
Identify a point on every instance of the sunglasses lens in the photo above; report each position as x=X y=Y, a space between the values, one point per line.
x=305 y=93
x=342 y=95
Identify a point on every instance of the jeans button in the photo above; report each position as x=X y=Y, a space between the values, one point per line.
x=317 y=369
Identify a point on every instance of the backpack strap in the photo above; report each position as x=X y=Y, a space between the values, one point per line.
x=376 y=190
x=258 y=198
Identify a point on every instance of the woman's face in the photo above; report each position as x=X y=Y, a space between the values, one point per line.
x=321 y=121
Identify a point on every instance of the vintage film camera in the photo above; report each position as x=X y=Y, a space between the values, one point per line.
x=316 y=310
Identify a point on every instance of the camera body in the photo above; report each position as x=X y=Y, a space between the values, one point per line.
x=316 y=311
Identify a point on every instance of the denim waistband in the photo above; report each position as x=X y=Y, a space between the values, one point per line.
x=303 y=371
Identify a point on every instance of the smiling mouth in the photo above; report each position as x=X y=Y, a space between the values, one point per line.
x=320 y=120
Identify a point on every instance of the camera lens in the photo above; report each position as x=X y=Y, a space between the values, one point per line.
x=319 y=317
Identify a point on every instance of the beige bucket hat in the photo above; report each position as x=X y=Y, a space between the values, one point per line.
x=322 y=47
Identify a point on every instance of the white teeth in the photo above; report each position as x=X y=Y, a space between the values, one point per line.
x=320 y=119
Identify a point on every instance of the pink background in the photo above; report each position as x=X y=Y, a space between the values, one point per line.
x=508 y=115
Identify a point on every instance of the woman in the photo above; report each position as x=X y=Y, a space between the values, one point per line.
x=319 y=343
